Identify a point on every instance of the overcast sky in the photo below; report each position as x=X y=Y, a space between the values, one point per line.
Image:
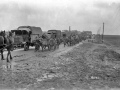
x=60 y=14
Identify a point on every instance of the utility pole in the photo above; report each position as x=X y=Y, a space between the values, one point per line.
x=69 y=30
x=103 y=32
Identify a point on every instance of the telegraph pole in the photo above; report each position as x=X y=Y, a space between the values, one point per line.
x=69 y=28
x=103 y=32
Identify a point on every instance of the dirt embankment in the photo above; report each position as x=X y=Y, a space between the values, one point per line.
x=87 y=66
x=95 y=66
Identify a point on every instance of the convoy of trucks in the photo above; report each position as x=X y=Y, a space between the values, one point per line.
x=24 y=36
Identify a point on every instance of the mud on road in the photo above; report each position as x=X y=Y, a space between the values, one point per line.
x=29 y=69
x=85 y=66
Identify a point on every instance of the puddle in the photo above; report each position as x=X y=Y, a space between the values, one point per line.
x=47 y=76
x=95 y=78
x=55 y=68
x=4 y=66
x=51 y=88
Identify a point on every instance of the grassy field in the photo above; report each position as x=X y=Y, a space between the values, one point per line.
x=112 y=39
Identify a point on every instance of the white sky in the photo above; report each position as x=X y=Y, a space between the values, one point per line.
x=60 y=14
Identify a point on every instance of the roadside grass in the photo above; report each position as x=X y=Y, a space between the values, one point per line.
x=94 y=65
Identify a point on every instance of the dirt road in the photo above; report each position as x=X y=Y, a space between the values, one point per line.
x=38 y=65
x=21 y=55
x=85 y=66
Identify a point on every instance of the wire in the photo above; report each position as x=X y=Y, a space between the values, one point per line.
x=115 y=17
x=117 y=27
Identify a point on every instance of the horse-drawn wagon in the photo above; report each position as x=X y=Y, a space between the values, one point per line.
x=55 y=34
x=25 y=36
x=49 y=40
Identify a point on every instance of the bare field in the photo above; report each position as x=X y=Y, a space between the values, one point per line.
x=113 y=40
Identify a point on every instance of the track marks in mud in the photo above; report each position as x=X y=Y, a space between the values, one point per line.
x=40 y=70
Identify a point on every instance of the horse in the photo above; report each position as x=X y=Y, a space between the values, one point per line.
x=52 y=44
x=41 y=42
x=37 y=45
x=65 y=41
x=45 y=43
x=5 y=43
x=58 y=42
x=72 y=40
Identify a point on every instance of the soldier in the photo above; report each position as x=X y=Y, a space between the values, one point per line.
x=29 y=36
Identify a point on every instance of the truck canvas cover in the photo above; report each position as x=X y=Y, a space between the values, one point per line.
x=36 y=31
x=33 y=29
x=56 y=33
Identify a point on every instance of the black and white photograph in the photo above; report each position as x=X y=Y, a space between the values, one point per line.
x=59 y=44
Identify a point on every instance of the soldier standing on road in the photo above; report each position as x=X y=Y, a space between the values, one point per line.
x=29 y=36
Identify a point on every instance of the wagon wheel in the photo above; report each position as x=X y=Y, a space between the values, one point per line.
x=26 y=47
x=12 y=48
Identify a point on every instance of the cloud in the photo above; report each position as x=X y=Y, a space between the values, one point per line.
x=110 y=14
x=12 y=15
x=60 y=14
